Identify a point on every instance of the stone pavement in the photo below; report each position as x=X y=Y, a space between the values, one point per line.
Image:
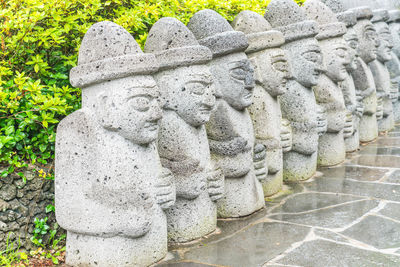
x=348 y=215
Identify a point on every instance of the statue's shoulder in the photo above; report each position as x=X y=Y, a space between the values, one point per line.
x=79 y=123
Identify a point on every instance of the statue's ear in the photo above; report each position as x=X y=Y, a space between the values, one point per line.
x=104 y=112
x=257 y=74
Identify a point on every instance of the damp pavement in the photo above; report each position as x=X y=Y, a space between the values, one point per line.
x=347 y=215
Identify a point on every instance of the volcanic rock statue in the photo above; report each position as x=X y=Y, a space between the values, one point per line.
x=187 y=94
x=352 y=98
x=230 y=129
x=393 y=64
x=110 y=188
x=331 y=146
x=383 y=84
x=298 y=104
x=362 y=76
x=272 y=72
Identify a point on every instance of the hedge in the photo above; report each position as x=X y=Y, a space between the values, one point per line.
x=39 y=44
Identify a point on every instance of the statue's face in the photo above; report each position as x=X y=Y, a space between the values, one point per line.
x=306 y=60
x=336 y=58
x=395 y=31
x=352 y=43
x=367 y=39
x=189 y=91
x=385 y=42
x=272 y=70
x=234 y=77
x=130 y=107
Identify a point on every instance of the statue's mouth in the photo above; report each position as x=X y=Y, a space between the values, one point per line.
x=152 y=126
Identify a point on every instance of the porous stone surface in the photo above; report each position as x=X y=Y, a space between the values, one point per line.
x=272 y=72
x=298 y=104
x=110 y=188
x=20 y=204
x=352 y=98
x=230 y=129
x=331 y=146
x=380 y=72
x=393 y=65
x=187 y=93
x=362 y=75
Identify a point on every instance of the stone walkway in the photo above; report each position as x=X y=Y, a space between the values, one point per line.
x=347 y=215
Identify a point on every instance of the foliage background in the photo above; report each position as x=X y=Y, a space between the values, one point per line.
x=39 y=44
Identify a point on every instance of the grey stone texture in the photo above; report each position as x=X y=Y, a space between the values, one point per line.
x=352 y=97
x=230 y=129
x=272 y=73
x=187 y=93
x=380 y=72
x=298 y=104
x=20 y=204
x=110 y=187
x=393 y=65
x=363 y=79
x=328 y=93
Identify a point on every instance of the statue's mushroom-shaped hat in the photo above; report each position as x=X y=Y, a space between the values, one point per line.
x=214 y=32
x=394 y=16
x=174 y=45
x=348 y=17
x=109 y=52
x=259 y=32
x=380 y=15
x=329 y=26
x=362 y=12
x=287 y=17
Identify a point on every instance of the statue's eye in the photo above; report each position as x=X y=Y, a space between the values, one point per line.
x=369 y=34
x=196 y=88
x=340 y=52
x=353 y=44
x=281 y=65
x=140 y=103
x=238 y=73
x=312 y=56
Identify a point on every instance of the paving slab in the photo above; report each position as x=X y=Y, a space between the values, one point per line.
x=330 y=217
x=341 y=185
x=354 y=172
x=394 y=177
x=319 y=253
x=251 y=247
x=377 y=161
x=311 y=201
x=376 y=231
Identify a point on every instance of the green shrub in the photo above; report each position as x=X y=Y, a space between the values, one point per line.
x=39 y=44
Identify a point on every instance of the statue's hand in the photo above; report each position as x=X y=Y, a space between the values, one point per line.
x=260 y=164
x=215 y=184
x=322 y=123
x=286 y=135
x=379 y=109
x=165 y=189
x=348 y=126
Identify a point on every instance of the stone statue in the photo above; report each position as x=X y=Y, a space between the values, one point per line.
x=298 y=104
x=187 y=93
x=352 y=98
x=230 y=129
x=393 y=64
x=110 y=188
x=272 y=72
x=362 y=76
x=331 y=146
x=379 y=70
